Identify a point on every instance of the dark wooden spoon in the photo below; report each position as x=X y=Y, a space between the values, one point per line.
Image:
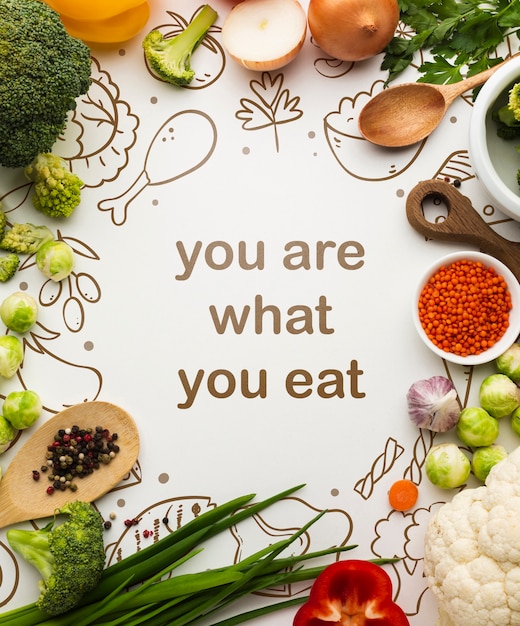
x=462 y=223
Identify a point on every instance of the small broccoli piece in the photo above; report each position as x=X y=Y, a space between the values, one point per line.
x=508 y=132
x=57 y=190
x=25 y=238
x=8 y=265
x=70 y=556
x=170 y=58
x=43 y=70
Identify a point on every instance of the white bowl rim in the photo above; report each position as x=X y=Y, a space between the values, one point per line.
x=484 y=167
x=511 y=334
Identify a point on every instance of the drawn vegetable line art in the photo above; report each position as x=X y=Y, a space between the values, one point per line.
x=84 y=382
x=183 y=144
x=380 y=468
x=73 y=291
x=271 y=107
x=100 y=133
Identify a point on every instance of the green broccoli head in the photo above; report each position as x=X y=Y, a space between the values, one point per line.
x=42 y=72
x=170 y=58
x=8 y=265
x=25 y=238
x=70 y=556
x=57 y=190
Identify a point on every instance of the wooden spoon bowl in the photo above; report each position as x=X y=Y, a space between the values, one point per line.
x=26 y=499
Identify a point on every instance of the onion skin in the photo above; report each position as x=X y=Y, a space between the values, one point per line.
x=353 y=30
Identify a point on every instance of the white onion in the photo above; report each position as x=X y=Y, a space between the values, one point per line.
x=264 y=35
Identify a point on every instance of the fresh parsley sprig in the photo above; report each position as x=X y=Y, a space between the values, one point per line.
x=460 y=37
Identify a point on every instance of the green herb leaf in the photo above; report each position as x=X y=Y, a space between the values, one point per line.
x=461 y=35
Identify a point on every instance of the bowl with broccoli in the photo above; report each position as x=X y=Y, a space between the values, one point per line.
x=494 y=138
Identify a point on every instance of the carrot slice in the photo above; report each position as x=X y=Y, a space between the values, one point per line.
x=403 y=495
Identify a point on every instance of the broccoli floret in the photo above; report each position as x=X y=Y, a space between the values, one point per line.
x=42 y=71
x=8 y=265
x=70 y=556
x=25 y=238
x=170 y=58
x=57 y=190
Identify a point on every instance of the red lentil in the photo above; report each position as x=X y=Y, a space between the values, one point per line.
x=464 y=307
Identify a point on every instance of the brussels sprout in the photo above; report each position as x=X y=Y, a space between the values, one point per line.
x=476 y=427
x=508 y=363
x=484 y=459
x=11 y=355
x=499 y=395
x=447 y=466
x=515 y=421
x=22 y=408
x=18 y=312
x=7 y=434
x=55 y=259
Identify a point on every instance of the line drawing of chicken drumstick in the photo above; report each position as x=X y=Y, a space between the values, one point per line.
x=182 y=144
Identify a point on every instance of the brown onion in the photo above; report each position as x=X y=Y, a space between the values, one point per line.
x=353 y=30
x=264 y=35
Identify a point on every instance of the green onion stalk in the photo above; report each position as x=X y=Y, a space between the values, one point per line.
x=141 y=590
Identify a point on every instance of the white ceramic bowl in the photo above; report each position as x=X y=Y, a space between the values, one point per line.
x=496 y=160
x=511 y=333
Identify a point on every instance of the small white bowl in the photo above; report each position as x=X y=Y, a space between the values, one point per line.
x=496 y=160
x=511 y=334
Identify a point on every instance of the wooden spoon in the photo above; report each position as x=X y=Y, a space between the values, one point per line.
x=462 y=223
x=407 y=113
x=23 y=498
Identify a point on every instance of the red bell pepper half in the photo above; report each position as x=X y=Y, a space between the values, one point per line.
x=351 y=593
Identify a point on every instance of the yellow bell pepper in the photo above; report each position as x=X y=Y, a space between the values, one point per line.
x=115 y=29
x=92 y=10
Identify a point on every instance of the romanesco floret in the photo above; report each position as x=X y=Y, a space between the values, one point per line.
x=514 y=101
x=170 y=58
x=507 y=118
x=8 y=265
x=57 y=190
x=3 y=222
x=70 y=556
x=25 y=238
x=42 y=71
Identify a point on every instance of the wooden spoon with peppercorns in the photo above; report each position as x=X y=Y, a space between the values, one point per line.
x=24 y=487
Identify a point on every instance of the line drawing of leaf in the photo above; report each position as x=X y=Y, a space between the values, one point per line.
x=287 y=108
x=268 y=88
x=272 y=106
x=254 y=116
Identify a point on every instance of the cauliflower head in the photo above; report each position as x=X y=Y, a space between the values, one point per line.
x=472 y=551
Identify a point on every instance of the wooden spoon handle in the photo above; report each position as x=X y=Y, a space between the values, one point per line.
x=462 y=223
x=454 y=90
